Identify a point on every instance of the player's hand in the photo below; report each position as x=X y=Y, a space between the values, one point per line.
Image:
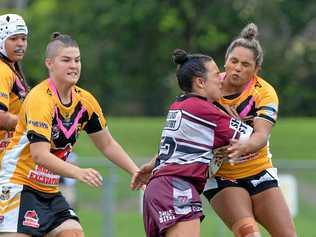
x=141 y=177
x=90 y=176
x=237 y=152
x=221 y=152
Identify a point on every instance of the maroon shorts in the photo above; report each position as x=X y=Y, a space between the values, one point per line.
x=167 y=201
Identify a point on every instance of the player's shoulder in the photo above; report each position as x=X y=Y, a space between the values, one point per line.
x=86 y=97
x=200 y=107
x=41 y=93
x=84 y=94
x=5 y=70
x=262 y=85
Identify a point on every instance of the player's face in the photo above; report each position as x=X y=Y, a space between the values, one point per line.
x=15 y=47
x=65 y=67
x=240 y=66
x=213 y=82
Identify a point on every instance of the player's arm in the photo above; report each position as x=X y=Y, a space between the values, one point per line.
x=258 y=139
x=41 y=155
x=8 y=121
x=112 y=150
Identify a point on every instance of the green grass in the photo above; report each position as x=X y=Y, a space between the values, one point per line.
x=292 y=139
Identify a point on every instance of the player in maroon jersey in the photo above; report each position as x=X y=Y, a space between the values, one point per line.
x=193 y=128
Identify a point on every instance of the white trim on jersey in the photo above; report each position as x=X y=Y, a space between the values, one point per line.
x=10 y=159
x=199 y=119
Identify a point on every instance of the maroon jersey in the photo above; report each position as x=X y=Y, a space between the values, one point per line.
x=194 y=127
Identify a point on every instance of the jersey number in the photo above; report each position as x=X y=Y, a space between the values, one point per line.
x=167 y=148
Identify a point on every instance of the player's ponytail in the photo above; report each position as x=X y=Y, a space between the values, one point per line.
x=248 y=39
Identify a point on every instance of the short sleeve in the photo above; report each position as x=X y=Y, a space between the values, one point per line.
x=39 y=114
x=96 y=121
x=267 y=104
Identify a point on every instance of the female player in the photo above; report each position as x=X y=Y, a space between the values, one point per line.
x=51 y=119
x=248 y=190
x=194 y=127
x=13 y=88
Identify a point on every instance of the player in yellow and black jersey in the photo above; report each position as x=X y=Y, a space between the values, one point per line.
x=51 y=119
x=245 y=189
x=13 y=88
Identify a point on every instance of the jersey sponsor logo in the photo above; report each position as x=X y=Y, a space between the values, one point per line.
x=5 y=141
x=243 y=129
x=38 y=124
x=4 y=95
x=43 y=176
x=166 y=216
x=5 y=193
x=182 y=201
x=31 y=219
x=1 y=219
x=55 y=132
x=173 y=120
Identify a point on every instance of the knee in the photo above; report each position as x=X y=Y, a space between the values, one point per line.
x=71 y=233
x=246 y=227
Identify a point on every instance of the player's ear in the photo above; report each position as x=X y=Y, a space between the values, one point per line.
x=48 y=63
x=199 y=81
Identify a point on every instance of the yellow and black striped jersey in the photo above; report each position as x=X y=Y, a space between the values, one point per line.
x=258 y=100
x=44 y=118
x=12 y=93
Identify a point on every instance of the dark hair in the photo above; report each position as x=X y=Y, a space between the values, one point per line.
x=59 y=40
x=248 y=39
x=189 y=66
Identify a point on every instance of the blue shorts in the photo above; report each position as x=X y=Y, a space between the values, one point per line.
x=253 y=184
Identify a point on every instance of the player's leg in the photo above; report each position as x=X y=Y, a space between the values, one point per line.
x=185 y=229
x=69 y=228
x=233 y=205
x=272 y=212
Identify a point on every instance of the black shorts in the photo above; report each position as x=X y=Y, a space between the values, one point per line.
x=253 y=184
x=39 y=212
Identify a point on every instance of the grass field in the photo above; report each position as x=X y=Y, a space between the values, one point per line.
x=292 y=139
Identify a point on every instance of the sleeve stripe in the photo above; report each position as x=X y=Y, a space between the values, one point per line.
x=36 y=137
x=267 y=118
x=266 y=108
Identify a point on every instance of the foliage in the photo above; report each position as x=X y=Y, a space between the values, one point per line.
x=126 y=46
